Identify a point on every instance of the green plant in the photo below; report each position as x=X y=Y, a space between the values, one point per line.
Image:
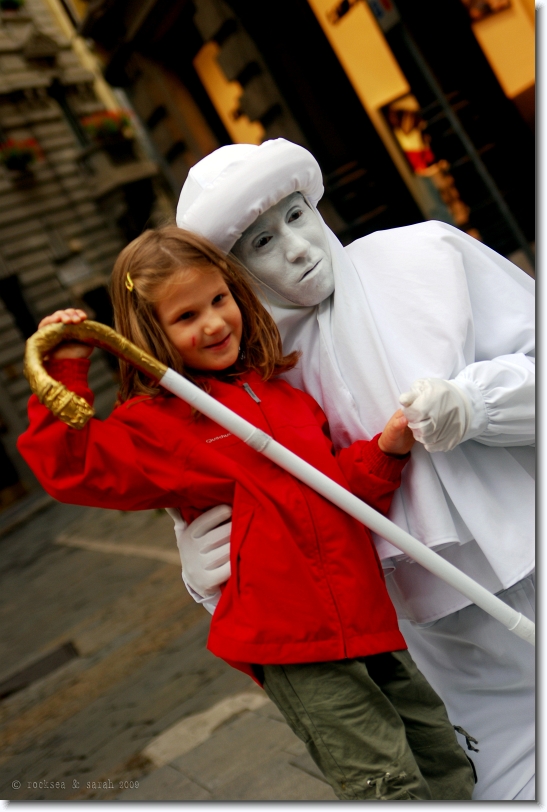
x=107 y=124
x=19 y=154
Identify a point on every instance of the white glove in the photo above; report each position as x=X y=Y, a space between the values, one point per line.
x=439 y=413
x=204 y=548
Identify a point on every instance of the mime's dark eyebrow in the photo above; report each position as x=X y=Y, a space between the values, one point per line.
x=256 y=228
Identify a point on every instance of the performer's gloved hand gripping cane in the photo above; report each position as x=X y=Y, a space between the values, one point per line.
x=75 y=411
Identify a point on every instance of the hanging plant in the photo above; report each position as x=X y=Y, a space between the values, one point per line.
x=107 y=125
x=11 y=5
x=19 y=155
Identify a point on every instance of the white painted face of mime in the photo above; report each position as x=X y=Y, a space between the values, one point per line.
x=287 y=251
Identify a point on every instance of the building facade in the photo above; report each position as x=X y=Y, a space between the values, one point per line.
x=414 y=110
x=68 y=204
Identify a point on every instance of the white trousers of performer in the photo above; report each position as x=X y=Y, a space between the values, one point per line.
x=485 y=676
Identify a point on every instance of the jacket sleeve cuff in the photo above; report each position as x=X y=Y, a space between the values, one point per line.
x=72 y=372
x=385 y=466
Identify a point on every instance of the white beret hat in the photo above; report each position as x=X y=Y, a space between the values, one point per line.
x=227 y=190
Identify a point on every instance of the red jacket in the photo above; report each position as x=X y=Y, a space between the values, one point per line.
x=306 y=583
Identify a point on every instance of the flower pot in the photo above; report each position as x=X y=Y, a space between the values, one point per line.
x=18 y=163
x=120 y=149
x=10 y=5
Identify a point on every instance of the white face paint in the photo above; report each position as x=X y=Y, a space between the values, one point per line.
x=286 y=249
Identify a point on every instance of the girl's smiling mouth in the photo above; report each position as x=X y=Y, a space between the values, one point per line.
x=220 y=345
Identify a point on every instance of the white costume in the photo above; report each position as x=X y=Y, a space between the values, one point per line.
x=424 y=301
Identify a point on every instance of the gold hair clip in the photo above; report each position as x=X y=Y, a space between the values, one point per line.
x=129 y=284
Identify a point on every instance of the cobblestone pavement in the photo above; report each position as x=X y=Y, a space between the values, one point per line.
x=139 y=677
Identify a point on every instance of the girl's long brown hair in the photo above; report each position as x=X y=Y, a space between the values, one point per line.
x=160 y=255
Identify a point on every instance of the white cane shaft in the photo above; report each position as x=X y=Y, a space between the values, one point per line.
x=345 y=500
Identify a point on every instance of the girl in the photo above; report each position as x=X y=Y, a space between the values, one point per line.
x=305 y=611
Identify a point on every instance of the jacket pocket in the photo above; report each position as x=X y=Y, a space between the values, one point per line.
x=241 y=520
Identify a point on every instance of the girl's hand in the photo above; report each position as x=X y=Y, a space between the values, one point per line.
x=396 y=438
x=70 y=349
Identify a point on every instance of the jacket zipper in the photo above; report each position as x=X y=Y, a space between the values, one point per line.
x=250 y=392
x=255 y=397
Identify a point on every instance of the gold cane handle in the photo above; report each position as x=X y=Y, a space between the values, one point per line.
x=66 y=405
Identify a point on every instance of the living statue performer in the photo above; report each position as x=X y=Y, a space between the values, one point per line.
x=430 y=318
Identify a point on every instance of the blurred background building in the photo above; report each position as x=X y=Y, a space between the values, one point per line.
x=415 y=111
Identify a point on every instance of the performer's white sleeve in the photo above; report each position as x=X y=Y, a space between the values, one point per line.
x=500 y=384
x=502 y=395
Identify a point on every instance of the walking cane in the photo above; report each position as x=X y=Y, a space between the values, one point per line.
x=75 y=411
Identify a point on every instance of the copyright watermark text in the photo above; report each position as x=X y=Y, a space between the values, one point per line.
x=74 y=784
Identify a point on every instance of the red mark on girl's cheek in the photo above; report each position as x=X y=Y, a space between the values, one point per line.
x=193 y=341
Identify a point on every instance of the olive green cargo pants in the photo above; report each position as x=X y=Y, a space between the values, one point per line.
x=374 y=727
